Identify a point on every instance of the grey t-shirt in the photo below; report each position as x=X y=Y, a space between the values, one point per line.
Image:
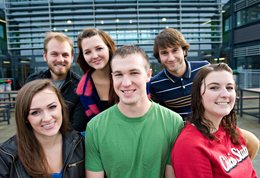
x=58 y=83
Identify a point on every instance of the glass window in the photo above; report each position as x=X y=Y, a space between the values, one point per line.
x=248 y=15
x=1 y=31
x=227 y=24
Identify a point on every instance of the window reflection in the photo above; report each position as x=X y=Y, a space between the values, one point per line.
x=249 y=15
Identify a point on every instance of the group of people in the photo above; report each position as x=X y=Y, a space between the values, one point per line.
x=188 y=128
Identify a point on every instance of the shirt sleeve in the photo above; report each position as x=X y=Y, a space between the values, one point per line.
x=178 y=125
x=189 y=159
x=92 y=154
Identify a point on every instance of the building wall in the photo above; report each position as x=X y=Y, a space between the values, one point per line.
x=127 y=21
x=3 y=46
x=241 y=42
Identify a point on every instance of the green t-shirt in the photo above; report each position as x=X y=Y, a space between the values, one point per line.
x=131 y=147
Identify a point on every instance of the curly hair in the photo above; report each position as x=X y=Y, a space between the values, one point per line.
x=229 y=122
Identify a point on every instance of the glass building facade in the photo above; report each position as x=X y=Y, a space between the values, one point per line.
x=241 y=37
x=241 y=40
x=127 y=21
x=3 y=46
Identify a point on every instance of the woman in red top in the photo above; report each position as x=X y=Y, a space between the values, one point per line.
x=212 y=145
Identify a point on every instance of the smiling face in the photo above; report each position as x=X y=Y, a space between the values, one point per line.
x=45 y=114
x=218 y=95
x=95 y=52
x=129 y=78
x=173 y=60
x=59 y=58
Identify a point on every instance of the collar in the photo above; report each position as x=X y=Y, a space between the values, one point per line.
x=68 y=77
x=173 y=78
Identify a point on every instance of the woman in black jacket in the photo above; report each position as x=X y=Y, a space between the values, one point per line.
x=44 y=145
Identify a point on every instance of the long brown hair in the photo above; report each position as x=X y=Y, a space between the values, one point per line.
x=29 y=149
x=229 y=122
x=90 y=32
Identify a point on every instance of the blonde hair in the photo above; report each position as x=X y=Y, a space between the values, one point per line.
x=61 y=37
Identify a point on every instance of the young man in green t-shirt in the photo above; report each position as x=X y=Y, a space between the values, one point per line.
x=132 y=139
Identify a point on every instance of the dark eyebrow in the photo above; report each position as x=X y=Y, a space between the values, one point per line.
x=47 y=106
x=162 y=49
x=116 y=72
x=213 y=83
x=54 y=102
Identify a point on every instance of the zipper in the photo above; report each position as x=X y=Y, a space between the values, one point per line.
x=75 y=164
x=70 y=156
x=13 y=162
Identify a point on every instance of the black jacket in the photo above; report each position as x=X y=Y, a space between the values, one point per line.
x=68 y=90
x=73 y=158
